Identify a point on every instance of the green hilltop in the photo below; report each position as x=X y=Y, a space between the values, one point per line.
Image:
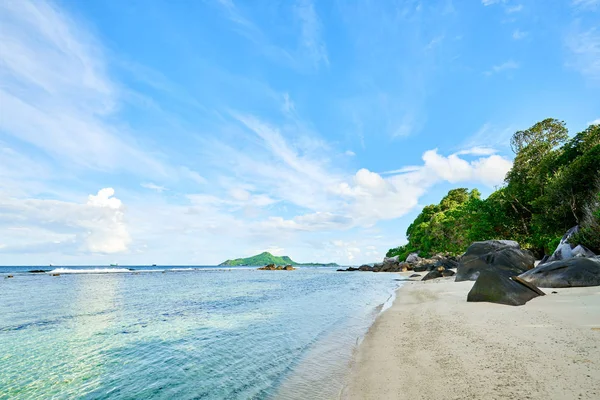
x=266 y=258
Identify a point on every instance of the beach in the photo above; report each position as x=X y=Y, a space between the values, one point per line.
x=432 y=344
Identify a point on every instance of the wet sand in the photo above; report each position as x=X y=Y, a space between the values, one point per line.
x=432 y=344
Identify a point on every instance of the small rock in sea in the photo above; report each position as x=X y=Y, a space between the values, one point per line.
x=273 y=267
x=414 y=276
x=554 y=292
x=54 y=274
x=9 y=276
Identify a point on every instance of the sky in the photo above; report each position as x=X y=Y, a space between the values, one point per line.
x=190 y=132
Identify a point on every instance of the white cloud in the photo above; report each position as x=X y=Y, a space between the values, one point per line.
x=239 y=194
x=584 y=47
x=96 y=226
x=350 y=153
x=153 y=186
x=519 y=34
x=275 y=250
x=508 y=65
x=594 y=122
x=109 y=233
x=489 y=171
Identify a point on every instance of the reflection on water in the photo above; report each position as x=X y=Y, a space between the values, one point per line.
x=191 y=334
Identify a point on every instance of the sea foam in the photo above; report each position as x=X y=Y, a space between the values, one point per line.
x=88 y=271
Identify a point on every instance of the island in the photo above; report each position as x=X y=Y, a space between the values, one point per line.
x=266 y=258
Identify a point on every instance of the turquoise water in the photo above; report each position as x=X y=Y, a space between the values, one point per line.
x=203 y=333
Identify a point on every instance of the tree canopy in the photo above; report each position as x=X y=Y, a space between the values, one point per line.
x=554 y=184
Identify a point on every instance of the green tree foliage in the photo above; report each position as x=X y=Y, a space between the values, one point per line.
x=553 y=185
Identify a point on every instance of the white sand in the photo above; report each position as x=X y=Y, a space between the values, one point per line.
x=432 y=344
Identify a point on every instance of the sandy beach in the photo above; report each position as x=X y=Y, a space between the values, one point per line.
x=432 y=344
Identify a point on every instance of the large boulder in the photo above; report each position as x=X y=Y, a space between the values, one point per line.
x=566 y=250
x=365 y=268
x=573 y=272
x=504 y=256
x=563 y=250
x=495 y=287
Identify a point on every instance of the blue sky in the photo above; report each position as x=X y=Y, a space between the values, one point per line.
x=194 y=131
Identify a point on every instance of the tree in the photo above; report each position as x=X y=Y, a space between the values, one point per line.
x=554 y=184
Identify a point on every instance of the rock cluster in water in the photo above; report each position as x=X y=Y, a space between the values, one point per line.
x=413 y=262
x=273 y=267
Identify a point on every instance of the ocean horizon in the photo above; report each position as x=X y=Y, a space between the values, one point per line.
x=185 y=332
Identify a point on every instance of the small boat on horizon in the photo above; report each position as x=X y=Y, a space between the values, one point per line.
x=114 y=265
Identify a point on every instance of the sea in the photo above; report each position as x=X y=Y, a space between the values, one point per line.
x=200 y=332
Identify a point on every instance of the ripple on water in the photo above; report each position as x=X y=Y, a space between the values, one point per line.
x=219 y=334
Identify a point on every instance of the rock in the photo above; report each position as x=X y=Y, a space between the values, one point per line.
x=504 y=256
x=38 y=271
x=9 y=276
x=414 y=276
x=54 y=274
x=273 y=267
x=494 y=286
x=438 y=272
x=413 y=258
x=573 y=272
x=566 y=250
x=365 y=268
x=390 y=264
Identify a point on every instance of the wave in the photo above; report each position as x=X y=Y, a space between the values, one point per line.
x=88 y=271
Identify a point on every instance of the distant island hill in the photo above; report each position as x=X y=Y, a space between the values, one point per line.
x=267 y=258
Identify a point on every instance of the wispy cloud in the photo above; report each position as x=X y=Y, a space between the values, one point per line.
x=153 y=186
x=514 y=9
x=489 y=136
x=584 y=48
x=62 y=110
x=519 y=34
x=586 y=4
x=594 y=122
x=491 y=2
x=506 y=66
x=477 y=151
x=436 y=41
x=311 y=38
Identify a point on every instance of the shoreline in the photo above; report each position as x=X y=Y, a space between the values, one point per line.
x=432 y=344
